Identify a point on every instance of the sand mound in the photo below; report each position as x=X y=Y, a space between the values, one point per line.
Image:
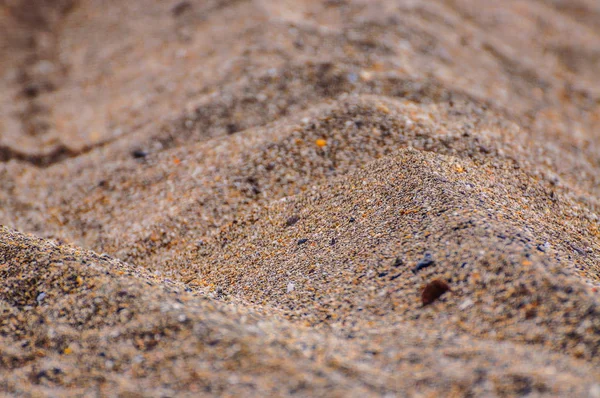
x=250 y=197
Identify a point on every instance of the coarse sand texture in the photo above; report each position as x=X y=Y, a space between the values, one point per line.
x=337 y=198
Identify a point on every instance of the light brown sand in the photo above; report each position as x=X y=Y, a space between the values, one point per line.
x=295 y=161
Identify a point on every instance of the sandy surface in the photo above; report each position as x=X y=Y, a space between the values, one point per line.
x=248 y=198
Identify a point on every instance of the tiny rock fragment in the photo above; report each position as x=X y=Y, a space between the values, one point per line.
x=398 y=262
x=180 y=8
x=468 y=303
x=40 y=297
x=433 y=291
x=543 y=247
x=291 y=221
x=232 y=128
x=394 y=277
x=290 y=287
x=302 y=241
x=366 y=75
x=321 y=143
x=139 y=154
x=427 y=261
x=31 y=90
x=382 y=108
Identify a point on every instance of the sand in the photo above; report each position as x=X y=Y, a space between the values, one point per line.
x=249 y=198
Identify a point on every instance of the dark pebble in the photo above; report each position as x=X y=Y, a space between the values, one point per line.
x=180 y=8
x=433 y=291
x=31 y=90
x=291 y=221
x=352 y=219
x=427 y=261
x=301 y=241
x=332 y=242
x=139 y=154
x=398 y=262
x=232 y=128
x=396 y=276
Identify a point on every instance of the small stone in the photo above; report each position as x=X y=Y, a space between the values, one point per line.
x=302 y=241
x=366 y=75
x=40 y=297
x=139 y=154
x=427 y=261
x=31 y=90
x=468 y=303
x=232 y=128
x=291 y=221
x=543 y=247
x=290 y=287
x=433 y=291
x=398 y=262
x=180 y=8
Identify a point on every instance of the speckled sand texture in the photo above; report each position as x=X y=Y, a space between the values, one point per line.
x=249 y=198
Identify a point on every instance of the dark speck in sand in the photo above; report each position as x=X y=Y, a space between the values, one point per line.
x=433 y=291
x=302 y=241
x=427 y=261
x=139 y=154
x=394 y=277
x=232 y=128
x=180 y=8
x=291 y=221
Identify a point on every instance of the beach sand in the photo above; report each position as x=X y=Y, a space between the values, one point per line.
x=311 y=198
